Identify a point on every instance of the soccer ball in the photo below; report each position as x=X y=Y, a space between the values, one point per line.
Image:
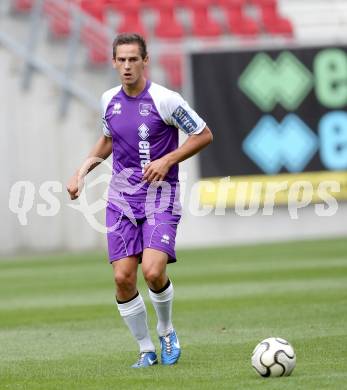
x=273 y=357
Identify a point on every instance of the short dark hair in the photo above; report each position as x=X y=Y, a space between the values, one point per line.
x=126 y=38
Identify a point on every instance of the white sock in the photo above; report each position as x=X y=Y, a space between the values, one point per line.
x=135 y=316
x=162 y=303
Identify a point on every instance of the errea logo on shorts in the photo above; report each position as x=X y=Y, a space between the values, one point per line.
x=165 y=239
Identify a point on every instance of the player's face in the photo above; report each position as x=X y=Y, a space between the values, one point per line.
x=129 y=64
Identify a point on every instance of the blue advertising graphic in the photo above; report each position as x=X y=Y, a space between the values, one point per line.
x=273 y=111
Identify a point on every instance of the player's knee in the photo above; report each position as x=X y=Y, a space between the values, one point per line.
x=125 y=281
x=152 y=276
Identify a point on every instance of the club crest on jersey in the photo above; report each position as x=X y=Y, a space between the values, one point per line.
x=117 y=108
x=145 y=109
x=143 y=131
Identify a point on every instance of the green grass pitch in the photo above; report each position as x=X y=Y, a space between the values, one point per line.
x=59 y=327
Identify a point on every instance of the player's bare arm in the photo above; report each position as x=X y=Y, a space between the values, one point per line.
x=101 y=150
x=157 y=169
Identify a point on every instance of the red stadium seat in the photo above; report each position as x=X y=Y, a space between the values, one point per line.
x=114 y=4
x=93 y=36
x=22 y=5
x=59 y=18
x=238 y=22
x=97 y=42
x=131 y=22
x=172 y=65
x=99 y=50
x=168 y=26
x=273 y=22
x=203 y=25
x=94 y=8
x=149 y=3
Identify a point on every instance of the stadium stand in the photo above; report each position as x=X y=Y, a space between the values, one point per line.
x=319 y=19
x=22 y=5
x=238 y=21
x=203 y=24
x=131 y=21
x=168 y=25
x=59 y=18
x=96 y=9
x=272 y=22
x=173 y=68
x=238 y=18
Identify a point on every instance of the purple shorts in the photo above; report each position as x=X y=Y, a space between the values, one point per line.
x=129 y=236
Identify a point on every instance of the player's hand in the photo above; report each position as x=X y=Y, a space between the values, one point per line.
x=74 y=186
x=156 y=170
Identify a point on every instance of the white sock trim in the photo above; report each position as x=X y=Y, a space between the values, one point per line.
x=135 y=306
x=166 y=295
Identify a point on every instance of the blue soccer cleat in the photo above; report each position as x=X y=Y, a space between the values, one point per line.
x=170 y=348
x=146 y=359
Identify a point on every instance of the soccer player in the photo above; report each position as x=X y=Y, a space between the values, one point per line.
x=140 y=127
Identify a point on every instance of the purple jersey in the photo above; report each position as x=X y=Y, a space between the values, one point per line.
x=144 y=128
